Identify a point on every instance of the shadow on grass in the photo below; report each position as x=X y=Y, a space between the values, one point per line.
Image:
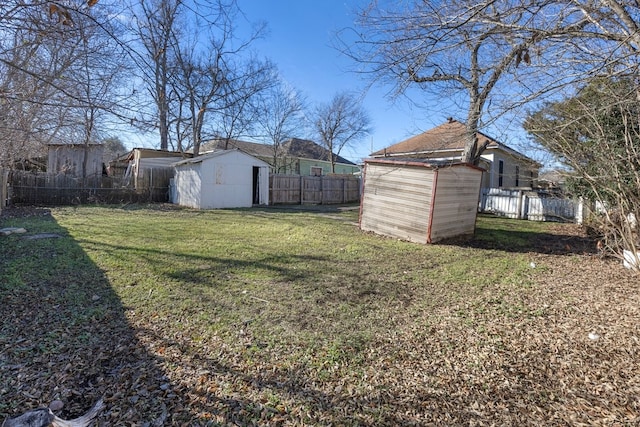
x=168 y=207
x=65 y=335
x=525 y=237
x=337 y=208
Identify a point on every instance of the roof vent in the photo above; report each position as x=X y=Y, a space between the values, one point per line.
x=450 y=119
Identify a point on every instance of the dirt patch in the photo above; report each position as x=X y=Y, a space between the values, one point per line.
x=23 y=212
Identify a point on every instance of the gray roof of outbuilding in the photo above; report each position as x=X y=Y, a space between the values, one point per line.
x=214 y=154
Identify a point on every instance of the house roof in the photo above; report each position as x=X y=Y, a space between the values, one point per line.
x=427 y=163
x=450 y=136
x=294 y=147
x=252 y=148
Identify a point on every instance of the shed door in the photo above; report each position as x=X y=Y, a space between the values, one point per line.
x=256 y=185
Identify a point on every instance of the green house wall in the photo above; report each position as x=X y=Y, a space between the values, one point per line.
x=307 y=164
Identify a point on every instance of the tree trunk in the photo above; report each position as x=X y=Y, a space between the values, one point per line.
x=471 y=153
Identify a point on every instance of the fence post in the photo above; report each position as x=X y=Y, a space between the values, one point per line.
x=580 y=211
x=519 y=205
x=301 y=189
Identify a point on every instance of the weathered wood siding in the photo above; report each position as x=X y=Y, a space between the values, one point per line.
x=155 y=181
x=75 y=159
x=396 y=201
x=285 y=189
x=456 y=202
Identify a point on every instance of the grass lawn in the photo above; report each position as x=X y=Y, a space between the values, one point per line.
x=288 y=317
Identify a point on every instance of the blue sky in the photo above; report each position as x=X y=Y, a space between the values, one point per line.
x=299 y=41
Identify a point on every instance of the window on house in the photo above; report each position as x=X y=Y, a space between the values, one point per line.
x=316 y=171
x=500 y=172
x=517 y=176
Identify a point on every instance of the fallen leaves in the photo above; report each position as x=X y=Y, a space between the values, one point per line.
x=560 y=348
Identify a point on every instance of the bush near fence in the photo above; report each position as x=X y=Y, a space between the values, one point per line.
x=300 y=189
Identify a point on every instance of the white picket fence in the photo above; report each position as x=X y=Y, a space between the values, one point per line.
x=531 y=205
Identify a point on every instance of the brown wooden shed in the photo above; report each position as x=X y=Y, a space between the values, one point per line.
x=419 y=200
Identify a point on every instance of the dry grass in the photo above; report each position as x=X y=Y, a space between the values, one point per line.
x=278 y=317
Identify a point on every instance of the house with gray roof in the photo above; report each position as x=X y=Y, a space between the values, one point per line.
x=294 y=156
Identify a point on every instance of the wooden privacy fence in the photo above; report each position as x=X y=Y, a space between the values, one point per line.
x=59 y=189
x=531 y=205
x=299 y=189
x=152 y=185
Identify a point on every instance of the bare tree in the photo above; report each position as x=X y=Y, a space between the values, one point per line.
x=113 y=147
x=29 y=42
x=156 y=29
x=244 y=89
x=218 y=84
x=595 y=130
x=202 y=71
x=340 y=123
x=279 y=118
x=464 y=48
x=97 y=75
x=42 y=47
x=611 y=20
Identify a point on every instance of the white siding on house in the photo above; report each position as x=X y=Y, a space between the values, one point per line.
x=396 y=201
x=512 y=165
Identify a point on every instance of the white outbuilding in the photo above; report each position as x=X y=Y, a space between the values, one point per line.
x=221 y=179
x=419 y=200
